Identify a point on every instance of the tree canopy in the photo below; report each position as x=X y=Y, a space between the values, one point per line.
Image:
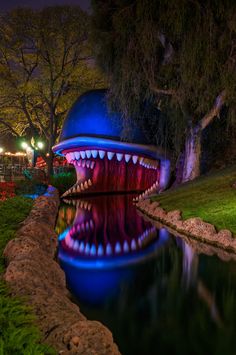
x=45 y=63
x=178 y=55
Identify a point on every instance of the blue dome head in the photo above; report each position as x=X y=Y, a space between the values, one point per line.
x=91 y=116
x=91 y=140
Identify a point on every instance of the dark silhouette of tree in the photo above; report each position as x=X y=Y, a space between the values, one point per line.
x=178 y=55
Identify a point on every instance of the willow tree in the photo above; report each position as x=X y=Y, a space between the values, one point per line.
x=178 y=55
x=45 y=63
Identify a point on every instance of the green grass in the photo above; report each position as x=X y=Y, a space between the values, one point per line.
x=18 y=334
x=209 y=197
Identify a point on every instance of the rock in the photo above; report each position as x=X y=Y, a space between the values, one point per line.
x=159 y=213
x=197 y=227
x=224 y=233
x=94 y=338
x=173 y=216
x=143 y=204
x=224 y=236
x=33 y=274
x=152 y=207
x=75 y=340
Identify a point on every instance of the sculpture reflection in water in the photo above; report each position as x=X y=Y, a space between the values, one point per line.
x=105 y=237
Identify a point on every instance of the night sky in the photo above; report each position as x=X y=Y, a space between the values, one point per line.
x=6 y=5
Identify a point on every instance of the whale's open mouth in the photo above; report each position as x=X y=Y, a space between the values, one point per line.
x=103 y=171
x=100 y=229
x=92 y=141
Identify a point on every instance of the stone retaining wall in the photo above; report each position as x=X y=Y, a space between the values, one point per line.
x=192 y=227
x=33 y=273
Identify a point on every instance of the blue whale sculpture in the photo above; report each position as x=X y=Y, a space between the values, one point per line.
x=91 y=140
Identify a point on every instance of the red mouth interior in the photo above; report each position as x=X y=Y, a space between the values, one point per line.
x=103 y=175
x=107 y=226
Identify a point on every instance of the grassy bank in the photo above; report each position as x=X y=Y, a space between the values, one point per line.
x=18 y=335
x=209 y=197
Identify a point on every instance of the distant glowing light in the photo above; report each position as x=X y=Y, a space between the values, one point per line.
x=17 y=154
x=40 y=145
x=24 y=145
x=1 y=150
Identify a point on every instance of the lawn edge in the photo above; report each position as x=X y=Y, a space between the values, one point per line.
x=193 y=227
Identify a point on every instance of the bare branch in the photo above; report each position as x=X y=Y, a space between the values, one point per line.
x=9 y=127
x=167 y=92
x=215 y=110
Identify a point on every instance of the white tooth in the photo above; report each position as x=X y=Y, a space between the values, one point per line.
x=93 y=250
x=81 y=247
x=82 y=186
x=156 y=183
x=83 y=163
x=77 y=155
x=119 y=156
x=141 y=161
x=94 y=153
x=87 y=226
x=101 y=154
x=108 y=249
x=92 y=164
x=87 y=248
x=86 y=185
x=88 y=153
x=68 y=157
x=110 y=155
x=100 y=250
x=133 y=244
x=86 y=205
x=79 y=162
x=126 y=246
x=76 y=245
x=88 y=164
x=117 y=248
x=72 y=156
x=82 y=153
x=78 y=189
x=89 y=206
x=127 y=157
x=71 y=242
x=89 y=182
x=135 y=159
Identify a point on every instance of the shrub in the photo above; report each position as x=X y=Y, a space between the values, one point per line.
x=30 y=187
x=63 y=181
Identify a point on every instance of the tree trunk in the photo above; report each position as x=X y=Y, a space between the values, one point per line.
x=192 y=154
x=50 y=164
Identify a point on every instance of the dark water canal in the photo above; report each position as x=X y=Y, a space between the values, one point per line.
x=158 y=294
